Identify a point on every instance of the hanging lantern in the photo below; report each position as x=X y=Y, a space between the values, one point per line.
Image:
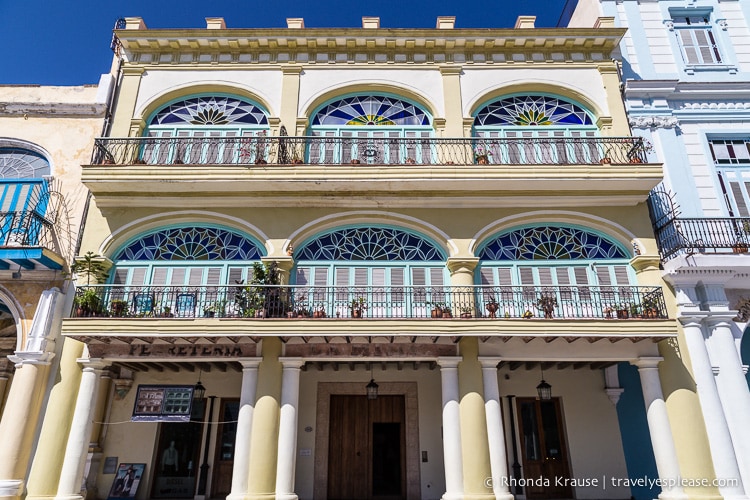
x=199 y=389
x=372 y=389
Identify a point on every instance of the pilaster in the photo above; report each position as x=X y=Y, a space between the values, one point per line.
x=452 y=458
x=452 y=100
x=495 y=429
x=126 y=99
x=241 y=466
x=290 y=96
x=619 y=121
x=288 y=428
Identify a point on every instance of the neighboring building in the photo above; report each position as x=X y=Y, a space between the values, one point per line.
x=452 y=215
x=46 y=133
x=686 y=72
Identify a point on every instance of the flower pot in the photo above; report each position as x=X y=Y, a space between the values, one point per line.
x=483 y=160
x=208 y=314
x=466 y=315
x=623 y=314
x=739 y=248
x=319 y=314
x=447 y=314
x=605 y=161
x=436 y=313
x=356 y=313
x=636 y=160
x=492 y=308
x=261 y=313
x=355 y=162
x=291 y=314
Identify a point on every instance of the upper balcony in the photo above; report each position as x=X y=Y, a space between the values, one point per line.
x=339 y=170
x=684 y=235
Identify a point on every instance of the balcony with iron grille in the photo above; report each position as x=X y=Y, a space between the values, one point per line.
x=602 y=170
x=29 y=240
x=114 y=313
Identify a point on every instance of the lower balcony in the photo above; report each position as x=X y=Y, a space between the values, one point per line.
x=703 y=236
x=29 y=241
x=280 y=303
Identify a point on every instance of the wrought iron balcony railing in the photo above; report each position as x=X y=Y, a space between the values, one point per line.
x=405 y=151
x=26 y=229
x=373 y=302
x=701 y=235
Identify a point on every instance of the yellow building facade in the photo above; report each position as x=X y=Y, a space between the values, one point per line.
x=372 y=263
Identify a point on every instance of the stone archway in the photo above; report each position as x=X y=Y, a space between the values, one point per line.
x=8 y=342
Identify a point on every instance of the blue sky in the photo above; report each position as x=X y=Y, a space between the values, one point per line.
x=58 y=42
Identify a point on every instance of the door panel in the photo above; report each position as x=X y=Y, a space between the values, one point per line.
x=543 y=447
x=221 y=485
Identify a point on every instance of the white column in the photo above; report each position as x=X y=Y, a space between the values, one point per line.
x=719 y=437
x=287 y=455
x=495 y=429
x=241 y=465
x=453 y=462
x=76 y=451
x=665 y=453
x=733 y=391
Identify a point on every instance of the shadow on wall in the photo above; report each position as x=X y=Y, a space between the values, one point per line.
x=745 y=352
x=636 y=441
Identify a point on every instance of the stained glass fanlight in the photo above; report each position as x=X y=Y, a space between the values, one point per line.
x=210 y=110
x=18 y=163
x=370 y=244
x=551 y=243
x=532 y=110
x=191 y=243
x=370 y=110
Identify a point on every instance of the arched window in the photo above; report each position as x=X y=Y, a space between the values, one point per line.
x=372 y=128
x=577 y=266
x=191 y=256
x=532 y=129
x=393 y=269
x=211 y=129
x=19 y=163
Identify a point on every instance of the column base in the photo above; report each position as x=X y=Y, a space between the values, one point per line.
x=11 y=489
x=287 y=496
x=673 y=495
x=504 y=496
x=452 y=496
x=479 y=496
x=69 y=497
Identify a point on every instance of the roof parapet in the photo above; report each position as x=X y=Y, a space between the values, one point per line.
x=525 y=22
x=134 y=23
x=371 y=22
x=604 y=22
x=445 y=22
x=295 y=23
x=215 y=23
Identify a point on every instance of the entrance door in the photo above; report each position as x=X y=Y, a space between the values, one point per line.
x=366 y=459
x=221 y=485
x=543 y=447
x=175 y=468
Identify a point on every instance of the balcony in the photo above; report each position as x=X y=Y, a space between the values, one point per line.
x=29 y=241
x=601 y=170
x=280 y=303
x=691 y=236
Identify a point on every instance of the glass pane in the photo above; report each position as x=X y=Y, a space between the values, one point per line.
x=552 y=444
x=530 y=438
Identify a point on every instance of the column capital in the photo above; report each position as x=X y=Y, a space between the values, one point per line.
x=20 y=358
x=446 y=69
x=647 y=362
x=291 y=69
x=723 y=318
x=292 y=363
x=448 y=362
x=93 y=364
x=692 y=318
x=489 y=362
x=250 y=363
x=462 y=264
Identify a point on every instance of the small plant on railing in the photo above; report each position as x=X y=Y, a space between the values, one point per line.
x=319 y=312
x=90 y=266
x=357 y=307
x=466 y=312
x=650 y=307
x=492 y=307
x=608 y=312
x=636 y=152
x=216 y=307
x=447 y=312
x=528 y=314
x=437 y=309
x=482 y=155
x=166 y=312
x=547 y=304
x=88 y=303
x=623 y=311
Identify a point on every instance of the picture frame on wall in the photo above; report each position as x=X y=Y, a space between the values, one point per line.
x=127 y=480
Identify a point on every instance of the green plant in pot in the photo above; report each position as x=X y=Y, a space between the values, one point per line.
x=89 y=267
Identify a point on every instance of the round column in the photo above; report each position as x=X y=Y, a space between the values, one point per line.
x=453 y=463
x=659 y=429
x=71 y=476
x=720 y=440
x=288 y=428
x=733 y=390
x=264 y=440
x=19 y=422
x=241 y=465
x=495 y=429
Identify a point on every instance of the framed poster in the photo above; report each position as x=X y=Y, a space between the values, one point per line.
x=126 y=481
x=163 y=403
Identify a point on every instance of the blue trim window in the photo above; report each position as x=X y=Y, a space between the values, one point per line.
x=732 y=160
x=18 y=163
x=210 y=129
x=520 y=121
x=372 y=128
x=370 y=244
x=696 y=39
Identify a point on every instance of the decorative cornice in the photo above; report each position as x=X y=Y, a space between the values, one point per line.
x=50 y=109
x=652 y=122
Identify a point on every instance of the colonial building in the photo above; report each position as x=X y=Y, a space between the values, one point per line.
x=686 y=71
x=46 y=133
x=373 y=263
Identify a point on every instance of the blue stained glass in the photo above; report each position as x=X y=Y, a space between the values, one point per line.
x=370 y=110
x=551 y=243
x=210 y=111
x=191 y=243
x=18 y=163
x=372 y=243
x=532 y=110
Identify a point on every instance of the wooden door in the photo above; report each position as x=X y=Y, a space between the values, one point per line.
x=366 y=451
x=543 y=447
x=221 y=485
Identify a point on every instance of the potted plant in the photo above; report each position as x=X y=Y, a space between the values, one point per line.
x=492 y=307
x=547 y=304
x=88 y=303
x=482 y=155
x=608 y=312
x=319 y=312
x=211 y=310
x=650 y=307
x=623 y=311
x=437 y=309
x=635 y=310
x=528 y=314
x=638 y=152
x=466 y=312
x=447 y=313
x=118 y=307
x=357 y=307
